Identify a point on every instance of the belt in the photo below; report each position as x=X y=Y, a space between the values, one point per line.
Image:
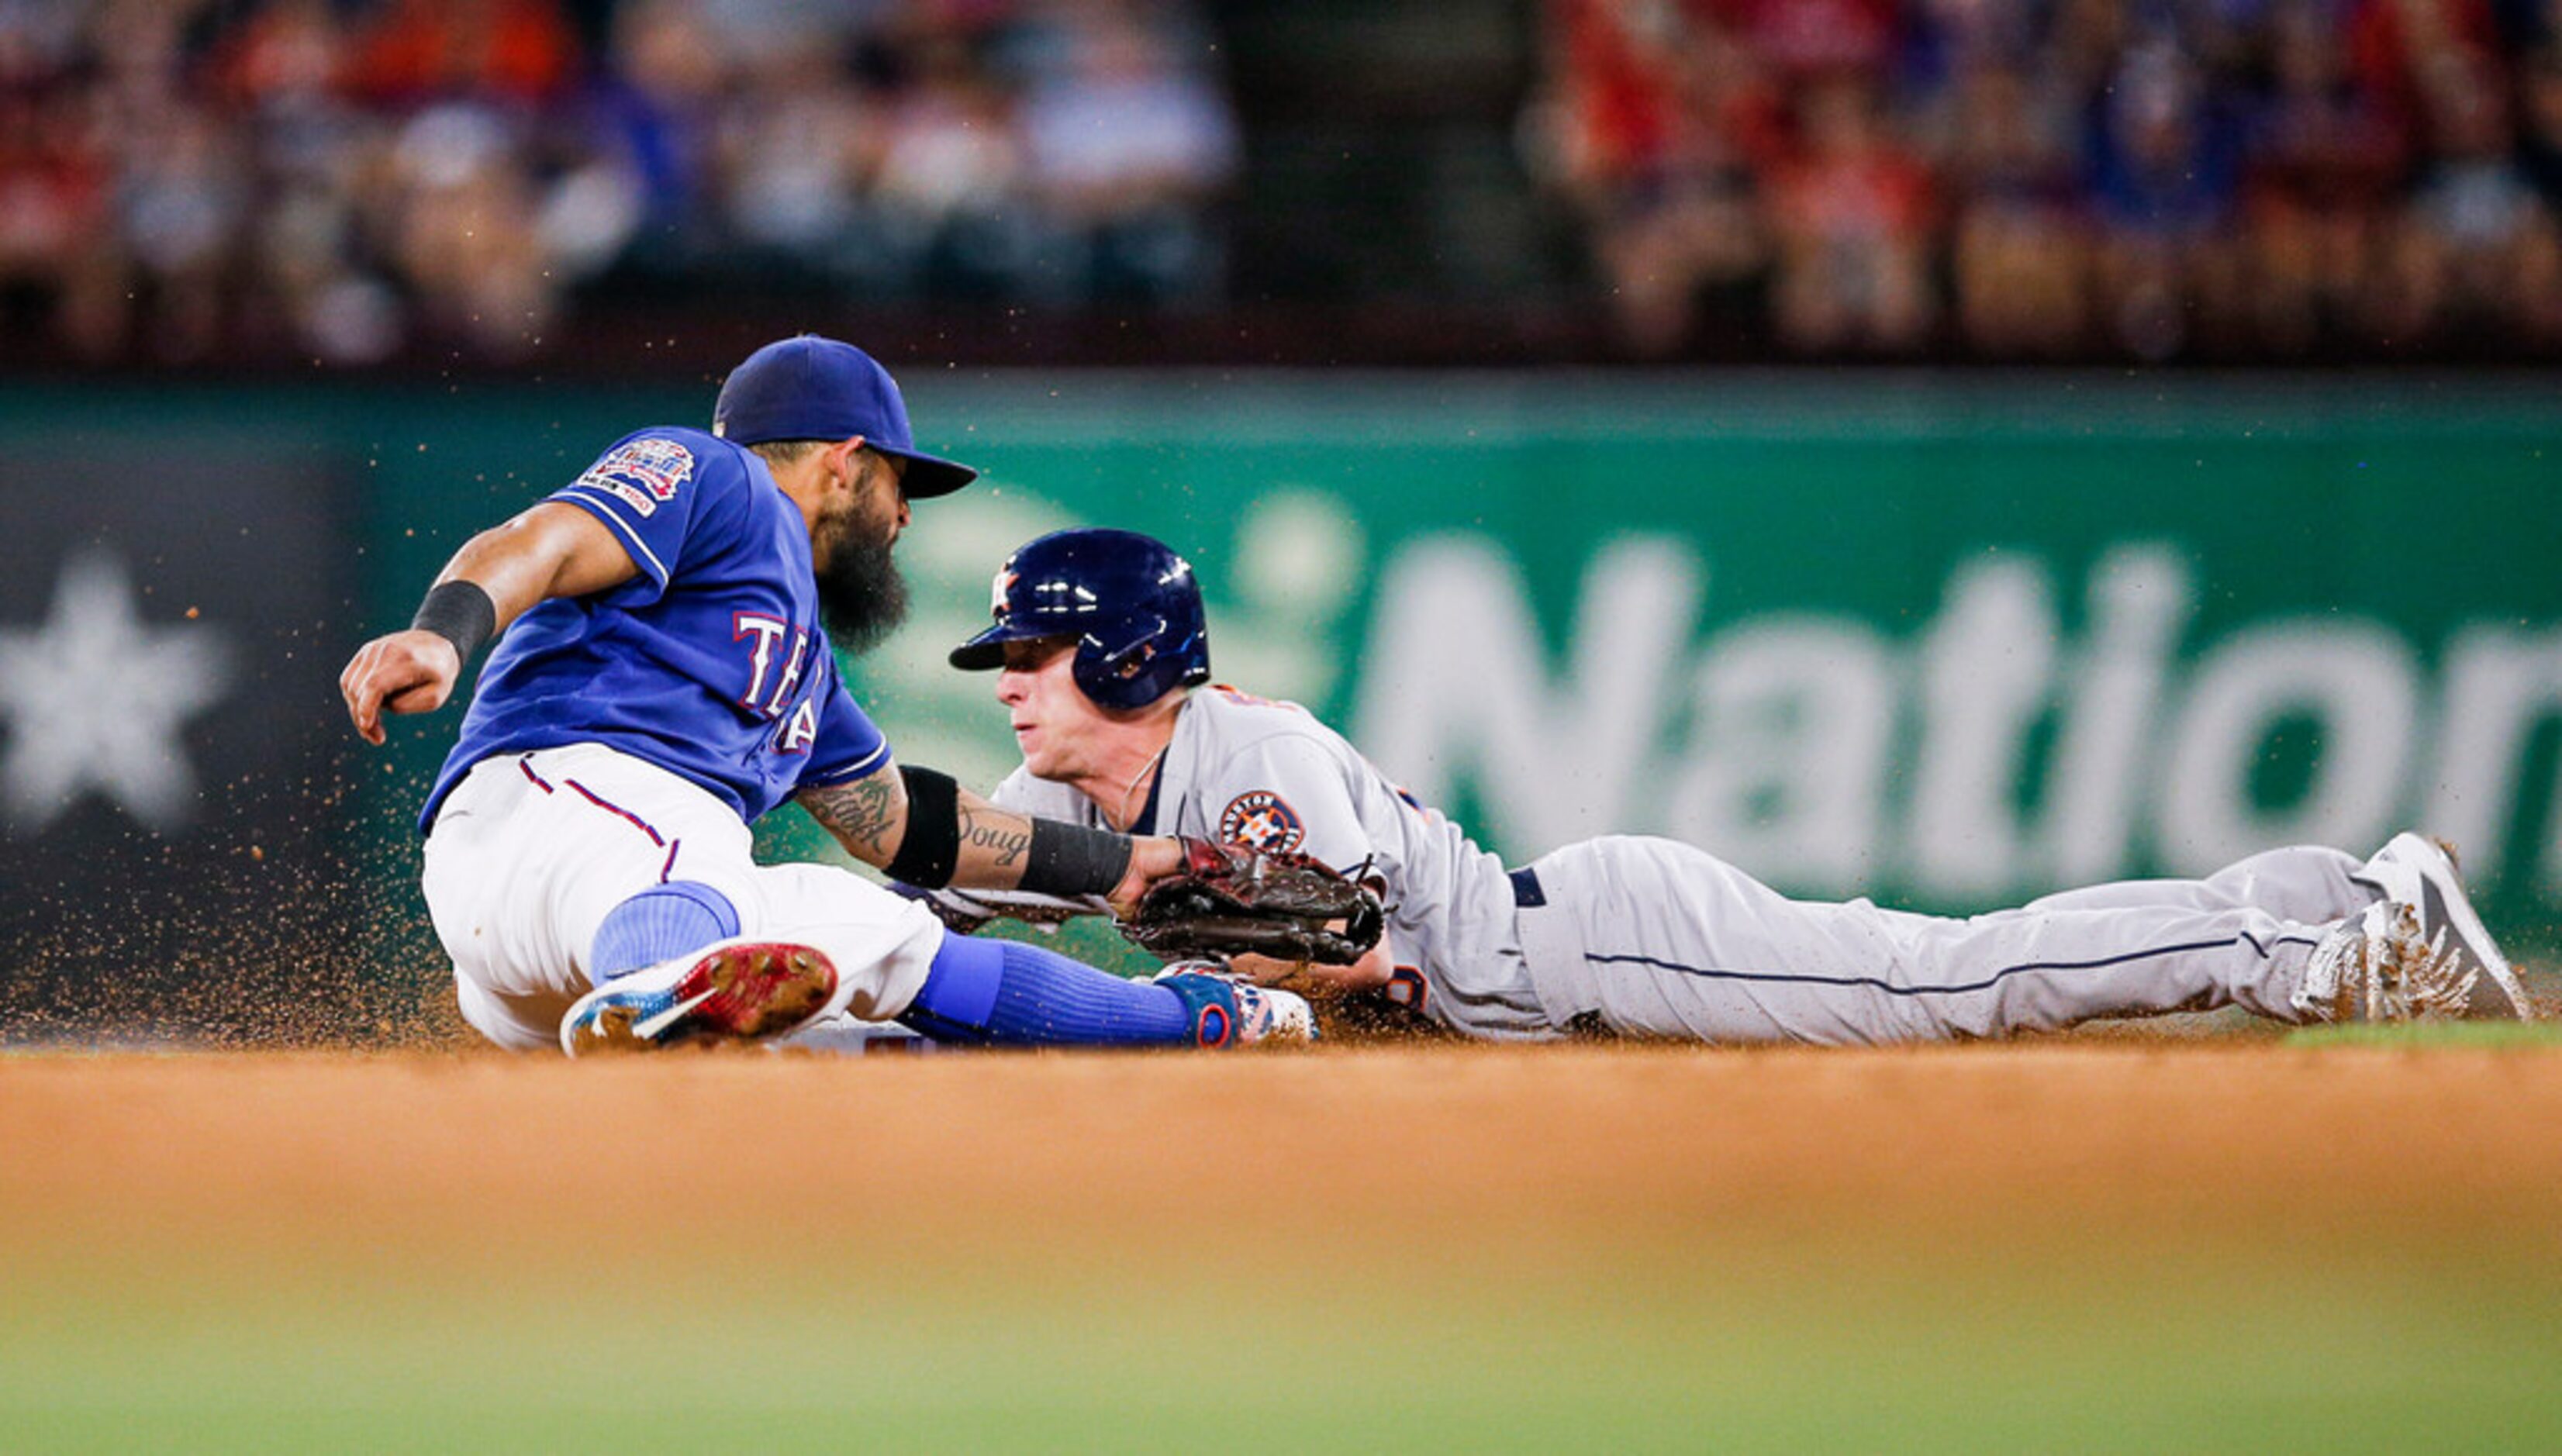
x=1527 y=894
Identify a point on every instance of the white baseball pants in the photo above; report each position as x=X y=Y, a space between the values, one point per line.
x=532 y=850
x=1659 y=938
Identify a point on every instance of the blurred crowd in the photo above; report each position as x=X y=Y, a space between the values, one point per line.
x=2010 y=179
x=346 y=179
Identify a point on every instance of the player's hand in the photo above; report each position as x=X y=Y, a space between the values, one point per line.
x=1152 y=858
x=411 y=672
x=1309 y=977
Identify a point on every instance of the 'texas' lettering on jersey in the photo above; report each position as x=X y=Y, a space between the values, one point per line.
x=642 y=472
x=796 y=735
x=771 y=683
x=1262 y=819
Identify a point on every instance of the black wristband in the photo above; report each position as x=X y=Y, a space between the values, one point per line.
x=1069 y=859
x=931 y=846
x=460 y=613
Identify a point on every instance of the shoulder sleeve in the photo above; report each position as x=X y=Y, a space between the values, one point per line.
x=1014 y=792
x=1023 y=794
x=651 y=489
x=1286 y=791
x=849 y=745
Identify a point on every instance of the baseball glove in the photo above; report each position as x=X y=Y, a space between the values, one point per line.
x=1232 y=900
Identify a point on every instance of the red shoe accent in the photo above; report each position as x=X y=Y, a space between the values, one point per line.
x=759 y=990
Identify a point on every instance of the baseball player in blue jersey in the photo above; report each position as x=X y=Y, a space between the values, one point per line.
x=662 y=677
x=1102 y=660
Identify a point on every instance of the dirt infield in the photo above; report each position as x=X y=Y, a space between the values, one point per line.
x=1470 y=1141
x=1462 y=1197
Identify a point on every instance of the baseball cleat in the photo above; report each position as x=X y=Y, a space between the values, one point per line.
x=2380 y=965
x=744 y=991
x=1230 y=1010
x=2421 y=872
x=2398 y=870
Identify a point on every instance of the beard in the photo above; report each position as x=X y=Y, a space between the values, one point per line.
x=861 y=597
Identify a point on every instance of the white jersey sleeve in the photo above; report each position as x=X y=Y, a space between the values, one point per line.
x=1041 y=799
x=1288 y=792
x=1271 y=774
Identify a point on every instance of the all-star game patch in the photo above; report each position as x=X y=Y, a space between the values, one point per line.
x=1262 y=819
x=642 y=472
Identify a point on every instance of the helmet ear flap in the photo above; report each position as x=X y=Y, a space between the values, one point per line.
x=1125 y=675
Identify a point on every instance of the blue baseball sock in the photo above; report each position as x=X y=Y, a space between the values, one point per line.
x=658 y=924
x=1004 y=993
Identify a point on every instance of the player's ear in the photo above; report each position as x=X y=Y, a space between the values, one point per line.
x=843 y=462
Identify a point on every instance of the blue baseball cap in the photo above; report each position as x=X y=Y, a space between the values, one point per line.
x=810 y=388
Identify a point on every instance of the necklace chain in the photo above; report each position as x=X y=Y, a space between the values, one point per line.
x=1136 y=779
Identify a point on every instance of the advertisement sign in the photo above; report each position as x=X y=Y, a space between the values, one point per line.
x=168 y=624
x=1947 y=643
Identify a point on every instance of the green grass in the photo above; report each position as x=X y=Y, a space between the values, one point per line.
x=2424 y=1034
x=1906 y=1353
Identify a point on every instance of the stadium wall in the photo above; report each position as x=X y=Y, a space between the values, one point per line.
x=1946 y=642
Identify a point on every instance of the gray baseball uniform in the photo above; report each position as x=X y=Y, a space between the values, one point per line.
x=1657 y=938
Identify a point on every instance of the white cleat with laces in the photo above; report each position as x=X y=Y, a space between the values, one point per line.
x=2420 y=954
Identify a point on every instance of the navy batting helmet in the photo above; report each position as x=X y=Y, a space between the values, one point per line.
x=1129 y=602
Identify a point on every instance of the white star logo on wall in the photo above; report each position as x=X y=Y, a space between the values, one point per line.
x=95 y=698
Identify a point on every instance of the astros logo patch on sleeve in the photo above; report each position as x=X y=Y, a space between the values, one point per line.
x=642 y=472
x=1262 y=819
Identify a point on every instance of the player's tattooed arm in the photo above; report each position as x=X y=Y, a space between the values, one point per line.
x=991 y=837
x=923 y=829
x=997 y=849
x=869 y=815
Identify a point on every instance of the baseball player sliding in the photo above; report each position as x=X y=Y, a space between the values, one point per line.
x=1100 y=654
x=662 y=679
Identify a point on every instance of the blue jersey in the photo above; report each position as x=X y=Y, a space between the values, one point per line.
x=710 y=663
